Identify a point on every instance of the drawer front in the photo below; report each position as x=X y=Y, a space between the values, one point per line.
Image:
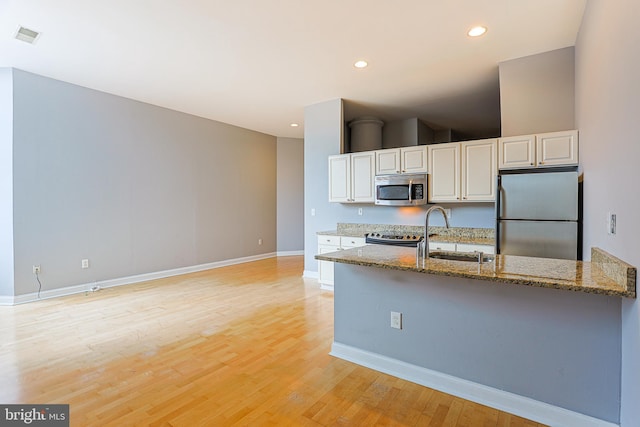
x=441 y=246
x=352 y=242
x=329 y=240
x=465 y=247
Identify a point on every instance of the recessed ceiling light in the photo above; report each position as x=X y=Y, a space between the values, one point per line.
x=294 y=125
x=27 y=35
x=477 y=31
x=361 y=64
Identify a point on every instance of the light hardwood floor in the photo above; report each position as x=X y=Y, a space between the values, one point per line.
x=239 y=345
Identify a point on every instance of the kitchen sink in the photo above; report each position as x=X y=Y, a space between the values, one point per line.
x=461 y=256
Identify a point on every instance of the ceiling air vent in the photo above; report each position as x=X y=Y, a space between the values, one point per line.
x=27 y=35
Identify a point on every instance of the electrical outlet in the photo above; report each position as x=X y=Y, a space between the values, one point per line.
x=259 y=241
x=313 y=211
x=396 y=320
x=36 y=269
x=360 y=211
x=85 y=263
x=448 y=212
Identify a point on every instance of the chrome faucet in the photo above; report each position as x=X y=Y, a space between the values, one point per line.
x=423 y=247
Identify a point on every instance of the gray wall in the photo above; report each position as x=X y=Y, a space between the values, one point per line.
x=607 y=91
x=6 y=182
x=290 y=205
x=537 y=93
x=323 y=124
x=406 y=133
x=131 y=186
x=558 y=347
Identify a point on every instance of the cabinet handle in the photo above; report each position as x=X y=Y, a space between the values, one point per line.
x=541 y=163
x=464 y=198
x=532 y=164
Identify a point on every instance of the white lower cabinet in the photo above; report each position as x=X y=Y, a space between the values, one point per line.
x=461 y=247
x=442 y=246
x=485 y=249
x=328 y=244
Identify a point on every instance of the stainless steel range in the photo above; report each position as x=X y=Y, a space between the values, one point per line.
x=410 y=240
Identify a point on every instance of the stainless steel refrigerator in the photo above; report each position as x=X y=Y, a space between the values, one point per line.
x=539 y=214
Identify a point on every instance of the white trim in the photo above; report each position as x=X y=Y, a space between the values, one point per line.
x=509 y=402
x=290 y=253
x=4 y=300
x=310 y=274
x=110 y=283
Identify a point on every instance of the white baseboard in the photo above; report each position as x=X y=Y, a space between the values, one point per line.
x=310 y=274
x=110 y=283
x=326 y=287
x=508 y=402
x=290 y=253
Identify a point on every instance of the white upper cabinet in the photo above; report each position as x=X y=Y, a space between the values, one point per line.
x=444 y=176
x=463 y=171
x=539 y=150
x=479 y=170
x=340 y=178
x=401 y=160
x=363 y=167
x=414 y=159
x=351 y=177
x=388 y=161
x=557 y=148
x=517 y=152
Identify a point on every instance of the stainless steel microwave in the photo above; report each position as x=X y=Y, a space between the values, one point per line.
x=401 y=190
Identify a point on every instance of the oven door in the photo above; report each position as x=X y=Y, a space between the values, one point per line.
x=401 y=190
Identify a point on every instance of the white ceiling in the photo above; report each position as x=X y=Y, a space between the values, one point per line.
x=258 y=63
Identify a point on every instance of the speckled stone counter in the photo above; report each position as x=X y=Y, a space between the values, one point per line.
x=605 y=275
x=477 y=236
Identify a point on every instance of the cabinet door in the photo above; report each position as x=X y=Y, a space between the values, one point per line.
x=413 y=159
x=340 y=178
x=326 y=244
x=388 y=161
x=363 y=167
x=479 y=170
x=557 y=148
x=325 y=268
x=516 y=152
x=444 y=172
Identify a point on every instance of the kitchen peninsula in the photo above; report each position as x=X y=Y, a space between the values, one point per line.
x=512 y=333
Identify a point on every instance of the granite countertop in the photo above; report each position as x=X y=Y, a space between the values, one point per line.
x=468 y=235
x=605 y=274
